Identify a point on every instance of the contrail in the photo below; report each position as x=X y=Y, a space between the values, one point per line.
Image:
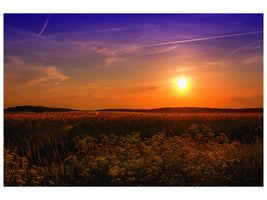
x=198 y=39
x=45 y=24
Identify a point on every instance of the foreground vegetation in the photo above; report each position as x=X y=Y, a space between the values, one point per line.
x=130 y=149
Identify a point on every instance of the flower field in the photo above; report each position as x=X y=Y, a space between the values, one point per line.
x=133 y=149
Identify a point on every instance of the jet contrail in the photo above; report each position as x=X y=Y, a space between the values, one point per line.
x=198 y=39
x=45 y=24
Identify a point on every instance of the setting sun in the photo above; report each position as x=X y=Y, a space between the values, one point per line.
x=182 y=83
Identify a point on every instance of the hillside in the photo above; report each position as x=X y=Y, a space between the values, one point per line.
x=36 y=109
x=40 y=109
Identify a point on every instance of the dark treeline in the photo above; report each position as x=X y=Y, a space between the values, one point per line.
x=36 y=109
x=40 y=109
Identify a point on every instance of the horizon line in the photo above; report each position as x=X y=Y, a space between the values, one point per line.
x=139 y=108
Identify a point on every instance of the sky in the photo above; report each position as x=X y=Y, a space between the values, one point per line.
x=98 y=61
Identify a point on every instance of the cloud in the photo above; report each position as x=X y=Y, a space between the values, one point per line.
x=24 y=36
x=197 y=39
x=139 y=89
x=110 y=29
x=182 y=69
x=211 y=68
x=109 y=61
x=251 y=46
x=159 y=50
x=253 y=59
x=21 y=31
x=45 y=24
x=53 y=72
x=145 y=26
x=13 y=60
x=153 y=88
x=103 y=50
x=156 y=48
x=49 y=73
x=28 y=75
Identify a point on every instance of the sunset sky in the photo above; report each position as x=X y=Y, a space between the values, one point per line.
x=97 y=61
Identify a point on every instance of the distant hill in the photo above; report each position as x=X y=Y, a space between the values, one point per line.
x=36 y=109
x=40 y=109
x=190 y=110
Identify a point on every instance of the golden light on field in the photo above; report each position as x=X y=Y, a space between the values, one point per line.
x=182 y=83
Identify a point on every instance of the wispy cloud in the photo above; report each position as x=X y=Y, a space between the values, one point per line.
x=111 y=58
x=198 y=39
x=203 y=68
x=53 y=72
x=182 y=69
x=25 y=36
x=109 y=61
x=21 y=31
x=31 y=76
x=160 y=50
x=253 y=59
x=13 y=60
x=45 y=24
x=251 y=46
x=153 y=88
x=103 y=50
x=123 y=28
x=139 y=88
x=49 y=73
x=110 y=29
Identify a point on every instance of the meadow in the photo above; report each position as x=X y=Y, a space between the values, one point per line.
x=133 y=149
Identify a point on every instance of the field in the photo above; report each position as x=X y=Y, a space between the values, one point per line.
x=133 y=149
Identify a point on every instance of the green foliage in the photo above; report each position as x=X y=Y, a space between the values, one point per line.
x=68 y=149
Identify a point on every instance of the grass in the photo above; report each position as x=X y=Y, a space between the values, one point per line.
x=133 y=149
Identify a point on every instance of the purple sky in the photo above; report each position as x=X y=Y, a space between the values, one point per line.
x=93 y=61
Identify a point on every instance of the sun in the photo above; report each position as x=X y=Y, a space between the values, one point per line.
x=182 y=83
